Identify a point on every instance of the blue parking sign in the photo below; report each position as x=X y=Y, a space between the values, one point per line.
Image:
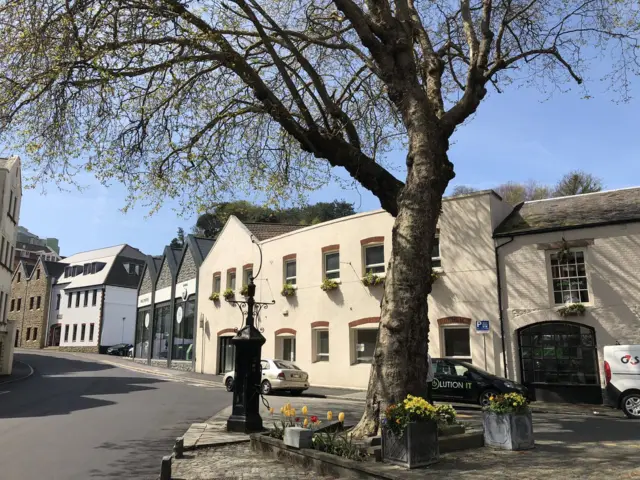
x=482 y=326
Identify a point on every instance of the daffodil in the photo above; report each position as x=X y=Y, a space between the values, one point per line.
x=271 y=410
x=329 y=415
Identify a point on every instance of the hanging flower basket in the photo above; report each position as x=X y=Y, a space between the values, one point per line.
x=329 y=285
x=228 y=294
x=288 y=290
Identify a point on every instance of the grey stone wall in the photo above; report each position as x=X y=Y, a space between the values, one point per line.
x=164 y=279
x=182 y=366
x=147 y=285
x=188 y=270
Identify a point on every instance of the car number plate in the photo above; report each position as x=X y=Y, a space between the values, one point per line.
x=295 y=375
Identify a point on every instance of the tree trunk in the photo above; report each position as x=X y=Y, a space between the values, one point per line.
x=399 y=364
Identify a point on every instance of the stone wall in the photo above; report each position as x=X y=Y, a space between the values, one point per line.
x=188 y=270
x=164 y=279
x=147 y=284
x=31 y=317
x=182 y=366
x=93 y=349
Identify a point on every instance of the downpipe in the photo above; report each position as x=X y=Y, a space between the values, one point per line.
x=500 y=311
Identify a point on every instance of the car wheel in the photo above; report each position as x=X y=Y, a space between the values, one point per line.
x=229 y=384
x=631 y=405
x=485 y=396
x=296 y=393
x=265 y=387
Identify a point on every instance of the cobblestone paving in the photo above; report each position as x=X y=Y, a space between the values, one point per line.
x=235 y=462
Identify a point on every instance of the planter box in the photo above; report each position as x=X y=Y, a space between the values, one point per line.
x=509 y=431
x=418 y=446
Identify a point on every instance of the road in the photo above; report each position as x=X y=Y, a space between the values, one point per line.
x=80 y=419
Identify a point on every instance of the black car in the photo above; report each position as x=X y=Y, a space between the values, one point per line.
x=120 y=350
x=459 y=381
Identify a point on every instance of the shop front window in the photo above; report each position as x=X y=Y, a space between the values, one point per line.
x=161 y=326
x=143 y=326
x=183 y=330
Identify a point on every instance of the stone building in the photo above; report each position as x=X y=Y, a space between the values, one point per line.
x=30 y=301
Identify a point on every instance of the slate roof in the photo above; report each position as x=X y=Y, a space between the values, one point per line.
x=577 y=211
x=265 y=231
x=28 y=268
x=54 y=269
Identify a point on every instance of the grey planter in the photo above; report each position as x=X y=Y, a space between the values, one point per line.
x=417 y=447
x=509 y=431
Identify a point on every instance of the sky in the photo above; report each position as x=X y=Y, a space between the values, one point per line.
x=518 y=135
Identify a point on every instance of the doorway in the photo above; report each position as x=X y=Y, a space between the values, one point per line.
x=54 y=335
x=226 y=355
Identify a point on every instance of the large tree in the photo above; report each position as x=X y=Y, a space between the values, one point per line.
x=192 y=99
x=577 y=182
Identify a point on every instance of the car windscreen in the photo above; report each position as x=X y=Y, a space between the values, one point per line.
x=474 y=368
x=285 y=365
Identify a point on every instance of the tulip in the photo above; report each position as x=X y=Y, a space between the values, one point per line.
x=329 y=415
x=304 y=410
x=306 y=423
x=341 y=416
x=271 y=410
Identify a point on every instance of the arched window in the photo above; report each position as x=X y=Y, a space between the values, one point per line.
x=560 y=353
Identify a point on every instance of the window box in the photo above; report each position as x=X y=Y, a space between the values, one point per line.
x=329 y=285
x=572 y=310
x=416 y=447
x=435 y=275
x=372 y=280
x=215 y=297
x=228 y=294
x=244 y=290
x=288 y=290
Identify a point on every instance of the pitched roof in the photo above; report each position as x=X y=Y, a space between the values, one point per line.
x=200 y=247
x=265 y=231
x=54 y=269
x=28 y=269
x=576 y=211
x=32 y=247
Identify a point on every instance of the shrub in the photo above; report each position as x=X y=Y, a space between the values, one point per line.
x=371 y=279
x=329 y=285
x=228 y=294
x=288 y=290
x=507 y=403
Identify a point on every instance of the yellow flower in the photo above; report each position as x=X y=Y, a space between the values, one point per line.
x=282 y=410
x=271 y=410
x=398 y=421
x=341 y=416
x=305 y=423
x=491 y=398
x=293 y=412
x=515 y=404
x=304 y=410
x=329 y=415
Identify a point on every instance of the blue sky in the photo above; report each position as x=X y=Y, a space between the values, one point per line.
x=516 y=135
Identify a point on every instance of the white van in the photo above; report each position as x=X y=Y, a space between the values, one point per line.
x=622 y=374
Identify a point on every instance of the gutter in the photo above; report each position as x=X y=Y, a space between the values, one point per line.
x=563 y=228
x=500 y=310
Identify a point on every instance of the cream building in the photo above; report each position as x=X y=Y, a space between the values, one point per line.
x=332 y=335
x=10 y=202
x=580 y=249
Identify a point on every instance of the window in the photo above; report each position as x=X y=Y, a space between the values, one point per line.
x=13 y=304
x=15 y=205
x=365 y=344
x=456 y=342
x=77 y=299
x=35 y=333
x=31 y=303
x=91 y=327
x=374 y=259
x=435 y=253
x=216 y=283
x=11 y=258
x=38 y=302
x=19 y=274
x=289 y=349
x=86 y=298
x=28 y=333
x=58 y=301
x=332 y=265
x=38 y=274
x=290 y=272
x=69 y=300
x=231 y=280
x=94 y=300
x=247 y=273
x=66 y=333
x=75 y=332
x=83 y=330
x=86 y=269
x=569 y=276
x=19 y=304
x=322 y=345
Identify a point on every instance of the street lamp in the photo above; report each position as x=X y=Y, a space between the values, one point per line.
x=245 y=414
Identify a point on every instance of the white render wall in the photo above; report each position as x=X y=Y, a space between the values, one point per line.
x=119 y=303
x=79 y=315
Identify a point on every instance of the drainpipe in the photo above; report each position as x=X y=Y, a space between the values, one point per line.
x=499 y=282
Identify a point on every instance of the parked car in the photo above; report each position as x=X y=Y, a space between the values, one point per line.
x=120 y=350
x=276 y=375
x=622 y=378
x=460 y=381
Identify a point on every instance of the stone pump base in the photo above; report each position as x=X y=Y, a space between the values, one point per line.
x=509 y=431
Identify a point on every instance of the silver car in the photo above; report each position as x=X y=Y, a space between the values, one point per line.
x=276 y=375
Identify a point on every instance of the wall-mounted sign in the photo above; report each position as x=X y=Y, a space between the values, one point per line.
x=179 y=315
x=482 y=326
x=185 y=293
x=146 y=320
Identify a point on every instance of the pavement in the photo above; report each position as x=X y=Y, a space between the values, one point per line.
x=20 y=371
x=78 y=419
